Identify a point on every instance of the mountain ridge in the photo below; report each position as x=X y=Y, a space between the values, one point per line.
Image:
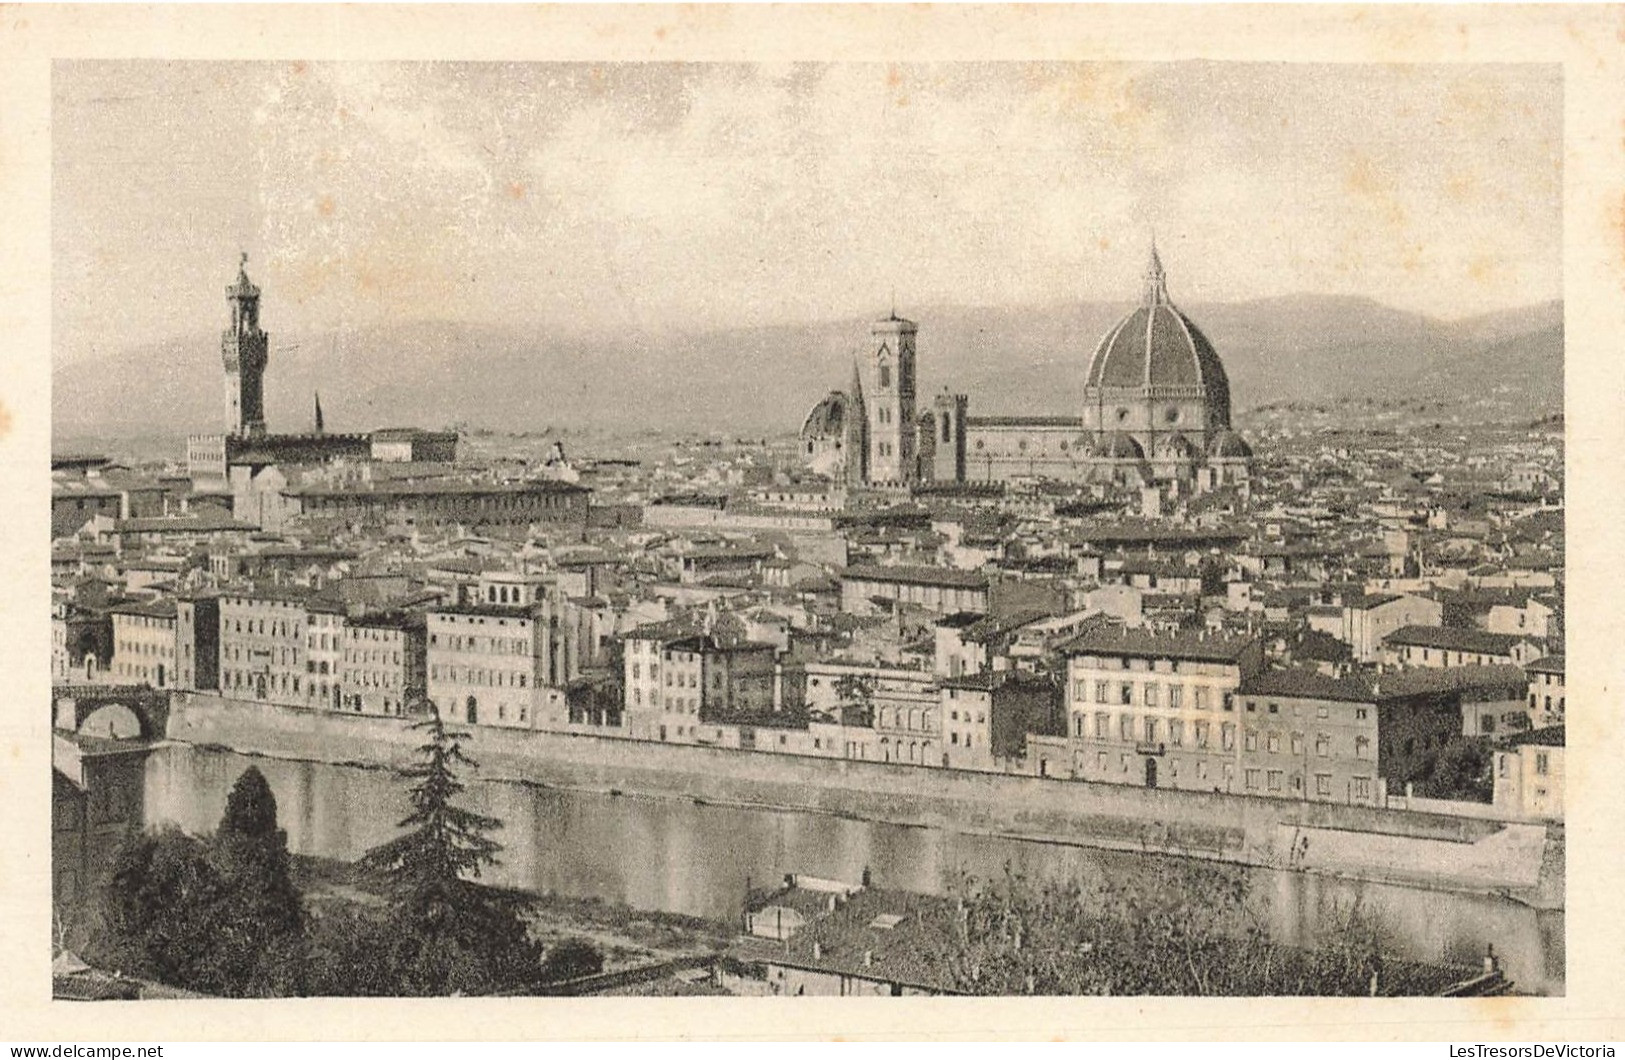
x=1025 y=359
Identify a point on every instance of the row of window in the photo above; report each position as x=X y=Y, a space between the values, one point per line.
x=284 y=656
x=262 y=684
x=484 y=645
x=279 y=627
x=379 y=655
x=1150 y=694
x=474 y=675
x=371 y=679
x=136 y=647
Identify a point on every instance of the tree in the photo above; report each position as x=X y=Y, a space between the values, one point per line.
x=453 y=936
x=260 y=950
x=220 y=916
x=1461 y=771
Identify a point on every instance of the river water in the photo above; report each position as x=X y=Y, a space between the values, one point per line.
x=685 y=857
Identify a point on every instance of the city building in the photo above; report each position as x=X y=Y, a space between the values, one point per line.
x=262 y=645
x=1546 y=691
x=1158 y=709
x=1370 y=618
x=144 y=643
x=1442 y=646
x=504 y=658
x=1529 y=774
x=1155 y=407
x=381 y=663
x=866 y=589
x=232 y=461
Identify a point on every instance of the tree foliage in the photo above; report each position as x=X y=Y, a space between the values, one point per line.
x=1176 y=929
x=219 y=915
x=1460 y=770
x=451 y=935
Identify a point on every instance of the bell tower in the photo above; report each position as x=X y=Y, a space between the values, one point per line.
x=245 y=350
x=890 y=401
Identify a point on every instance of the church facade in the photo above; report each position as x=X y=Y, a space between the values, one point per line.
x=1154 y=407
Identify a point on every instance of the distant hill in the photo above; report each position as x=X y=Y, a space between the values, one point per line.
x=763 y=379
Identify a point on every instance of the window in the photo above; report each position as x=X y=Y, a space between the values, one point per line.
x=1176 y=732
x=1252 y=780
x=1201 y=697
x=1323 y=784
x=1227 y=736
x=1297 y=743
x=1125 y=727
x=1125 y=694
x=1501 y=765
x=1102 y=693
x=1362 y=747
x=1251 y=740
x=1201 y=734
x=1362 y=787
x=1102 y=725
x=1273 y=743
x=885 y=376
x=1151 y=730
x=1174 y=696
x=1252 y=706
x=1150 y=694
x=1323 y=745
x=1275 y=777
x=1359 y=713
x=1542 y=763
x=1321 y=711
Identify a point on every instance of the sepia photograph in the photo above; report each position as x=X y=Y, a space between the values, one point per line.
x=632 y=509
x=812 y=529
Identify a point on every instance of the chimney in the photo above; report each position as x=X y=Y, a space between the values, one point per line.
x=818 y=950
x=868 y=958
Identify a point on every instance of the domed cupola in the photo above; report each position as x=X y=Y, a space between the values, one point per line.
x=827 y=418
x=1119 y=445
x=1228 y=445
x=1175 y=446
x=1156 y=346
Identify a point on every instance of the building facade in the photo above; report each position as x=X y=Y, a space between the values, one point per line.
x=1158 y=710
x=262 y=646
x=1154 y=406
x=382 y=659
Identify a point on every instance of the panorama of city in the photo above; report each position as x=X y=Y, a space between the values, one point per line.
x=1093 y=649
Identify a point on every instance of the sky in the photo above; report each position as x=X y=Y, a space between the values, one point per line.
x=591 y=199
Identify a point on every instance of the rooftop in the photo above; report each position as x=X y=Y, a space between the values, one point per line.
x=901 y=575
x=1452 y=639
x=1142 y=644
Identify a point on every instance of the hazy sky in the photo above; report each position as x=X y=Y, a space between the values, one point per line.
x=578 y=198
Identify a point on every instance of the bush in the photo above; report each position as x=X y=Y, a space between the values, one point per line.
x=571 y=959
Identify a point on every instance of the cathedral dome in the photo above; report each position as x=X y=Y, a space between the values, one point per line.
x=827 y=418
x=1156 y=345
x=1119 y=445
x=1176 y=447
x=1228 y=445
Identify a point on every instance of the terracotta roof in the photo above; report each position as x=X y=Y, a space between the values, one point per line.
x=1451 y=639
x=903 y=575
x=1146 y=645
x=1551 y=736
x=1551 y=664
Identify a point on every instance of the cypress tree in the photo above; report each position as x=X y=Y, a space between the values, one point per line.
x=453 y=936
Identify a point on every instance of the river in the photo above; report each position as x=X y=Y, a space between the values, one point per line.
x=681 y=856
